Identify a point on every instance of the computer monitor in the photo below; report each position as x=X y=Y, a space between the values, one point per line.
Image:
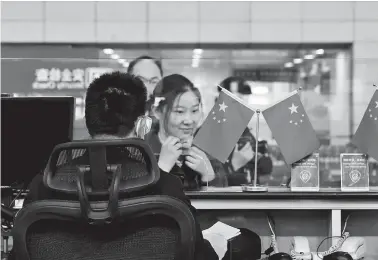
x=30 y=128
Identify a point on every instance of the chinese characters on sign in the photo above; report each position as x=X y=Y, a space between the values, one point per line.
x=267 y=75
x=305 y=174
x=72 y=82
x=55 y=78
x=93 y=73
x=354 y=172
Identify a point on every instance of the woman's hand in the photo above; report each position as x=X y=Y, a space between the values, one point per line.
x=171 y=149
x=198 y=161
x=242 y=157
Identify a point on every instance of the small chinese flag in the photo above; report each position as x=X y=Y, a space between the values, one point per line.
x=291 y=128
x=366 y=136
x=223 y=126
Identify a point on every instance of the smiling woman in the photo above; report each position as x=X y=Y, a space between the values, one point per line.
x=178 y=109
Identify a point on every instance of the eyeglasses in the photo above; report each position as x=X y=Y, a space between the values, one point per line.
x=152 y=81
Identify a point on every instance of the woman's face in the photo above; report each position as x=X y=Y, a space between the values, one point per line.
x=149 y=73
x=185 y=116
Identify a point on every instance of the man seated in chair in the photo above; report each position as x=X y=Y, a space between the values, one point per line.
x=112 y=106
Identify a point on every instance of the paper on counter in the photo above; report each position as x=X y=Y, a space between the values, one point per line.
x=222 y=229
x=218 y=236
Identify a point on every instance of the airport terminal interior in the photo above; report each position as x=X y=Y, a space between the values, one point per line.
x=293 y=175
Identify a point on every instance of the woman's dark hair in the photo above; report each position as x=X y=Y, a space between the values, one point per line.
x=145 y=57
x=113 y=103
x=169 y=89
x=243 y=87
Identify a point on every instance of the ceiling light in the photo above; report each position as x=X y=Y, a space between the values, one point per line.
x=108 y=51
x=121 y=60
x=115 y=56
x=309 y=56
x=196 y=56
x=125 y=64
x=197 y=51
x=297 y=61
x=320 y=52
x=260 y=90
x=195 y=63
x=289 y=64
x=195 y=60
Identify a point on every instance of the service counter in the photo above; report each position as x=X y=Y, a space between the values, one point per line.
x=315 y=215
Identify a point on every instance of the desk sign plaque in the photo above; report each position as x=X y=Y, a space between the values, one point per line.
x=354 y=172
x=305 y=174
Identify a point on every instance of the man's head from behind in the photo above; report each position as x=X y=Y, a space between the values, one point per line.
x=113 y=103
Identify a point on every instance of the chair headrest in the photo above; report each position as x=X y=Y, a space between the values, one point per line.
x=97 y=161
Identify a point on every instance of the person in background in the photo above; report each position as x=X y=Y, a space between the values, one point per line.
x=113 y=104
x=149 y=70
x=177 y=106
x=240 y=166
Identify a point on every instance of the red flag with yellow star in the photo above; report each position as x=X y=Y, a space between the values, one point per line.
x=291 y=128
x=223 y=126
x=366 y=136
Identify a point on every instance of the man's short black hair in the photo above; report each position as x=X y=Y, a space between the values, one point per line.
x=113 y=103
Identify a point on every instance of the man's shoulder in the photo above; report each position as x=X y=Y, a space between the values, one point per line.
x=37 y=190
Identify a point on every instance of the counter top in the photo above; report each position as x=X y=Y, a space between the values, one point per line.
x=231 y=193
x=282 y=198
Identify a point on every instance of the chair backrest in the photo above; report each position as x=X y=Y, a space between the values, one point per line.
x=96 y=161
x=100 y=225
x=148 y=228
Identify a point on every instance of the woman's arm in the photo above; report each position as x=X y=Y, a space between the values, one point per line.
x=199 y=162
x=210 y=174
x=220 y=179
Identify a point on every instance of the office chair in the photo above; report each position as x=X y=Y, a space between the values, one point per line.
x=125 y=225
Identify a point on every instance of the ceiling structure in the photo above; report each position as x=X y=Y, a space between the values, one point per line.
x=173 y=59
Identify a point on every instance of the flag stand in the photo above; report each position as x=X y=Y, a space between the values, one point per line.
x=256 y=187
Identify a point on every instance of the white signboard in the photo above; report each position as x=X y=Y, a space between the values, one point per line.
x=55 y=78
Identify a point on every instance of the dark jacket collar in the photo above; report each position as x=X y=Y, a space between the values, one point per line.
x=152 y=139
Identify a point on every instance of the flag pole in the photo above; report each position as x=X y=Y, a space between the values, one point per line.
x=256 y=187
x=257 y=146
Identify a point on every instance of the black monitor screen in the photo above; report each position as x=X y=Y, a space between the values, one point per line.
x=30 y=128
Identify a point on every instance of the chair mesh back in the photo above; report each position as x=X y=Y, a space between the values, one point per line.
x=148 y=238
x=68 y=155
x=134 y=167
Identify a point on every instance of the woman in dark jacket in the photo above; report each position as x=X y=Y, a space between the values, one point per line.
x=177 y=106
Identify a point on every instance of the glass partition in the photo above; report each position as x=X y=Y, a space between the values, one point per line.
x=324 y=74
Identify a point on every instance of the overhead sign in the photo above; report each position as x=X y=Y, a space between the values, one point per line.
x=56 y=78
x=268 y=75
